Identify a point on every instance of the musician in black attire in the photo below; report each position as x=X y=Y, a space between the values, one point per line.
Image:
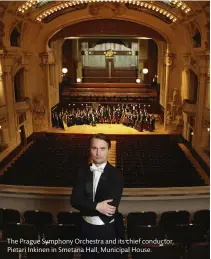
x=131 y=116
x=97 y=195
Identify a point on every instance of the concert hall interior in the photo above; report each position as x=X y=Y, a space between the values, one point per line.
x=136 y=70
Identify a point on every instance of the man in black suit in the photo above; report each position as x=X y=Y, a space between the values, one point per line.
x=97 y=195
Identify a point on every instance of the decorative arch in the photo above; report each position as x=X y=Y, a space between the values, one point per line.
x=41 y=33
x=15 y=36
x=104 y=27
x=196 y=38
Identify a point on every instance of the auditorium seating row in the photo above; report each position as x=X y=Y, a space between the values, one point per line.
x=53 y=161
x=155 y=163
x=189 y=240
x=166 y=219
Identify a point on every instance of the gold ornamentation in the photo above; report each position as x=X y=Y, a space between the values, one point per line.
x=44 y=58
x=106 y=9
x=169 y=59
x=109 y=53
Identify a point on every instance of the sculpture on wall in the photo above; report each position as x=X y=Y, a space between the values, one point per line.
x=39 y=114
x=175 y=95
x=44 y=58
x=38 y=106
x=169 y=59
x=106 y=9
x=175 y=121
x=179 y=124
x=169 y=120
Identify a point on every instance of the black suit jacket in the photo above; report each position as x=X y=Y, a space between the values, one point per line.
x=110 y=186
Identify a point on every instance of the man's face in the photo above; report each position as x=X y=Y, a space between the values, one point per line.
x=99 y=151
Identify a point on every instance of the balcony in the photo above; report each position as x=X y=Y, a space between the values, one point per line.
x=22 y=105
x=189 y=107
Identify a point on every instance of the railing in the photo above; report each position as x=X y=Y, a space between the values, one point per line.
x=128 y=192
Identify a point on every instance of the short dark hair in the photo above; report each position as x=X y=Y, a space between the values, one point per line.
x=100 y=136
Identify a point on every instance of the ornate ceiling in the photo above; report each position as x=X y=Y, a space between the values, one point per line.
x=170 y=11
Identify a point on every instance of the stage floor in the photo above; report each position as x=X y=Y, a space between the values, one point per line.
x=108 y=129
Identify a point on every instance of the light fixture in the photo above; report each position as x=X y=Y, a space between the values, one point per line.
x=145 y=70
x=0 y=126
x=78 y=80
x=192 y=133
x=208 y=129
x=138 y=80
x=64 y=70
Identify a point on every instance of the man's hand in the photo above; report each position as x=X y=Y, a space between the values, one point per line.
x=106 y=209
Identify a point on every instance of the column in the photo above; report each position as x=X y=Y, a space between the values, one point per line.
x=57 y=50
x=27 y=79
x=168 y=62
x=200 y=107
x=10 y=104
x=78 y=60
x=161 y=70
x=42 y=109
x=75 y=60
x=138 y=65
x=2 y=91
x=55 y=72
x=5 y=133
x=143 y=57
x=205 y=141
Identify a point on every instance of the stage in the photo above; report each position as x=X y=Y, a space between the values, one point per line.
x=108 y=129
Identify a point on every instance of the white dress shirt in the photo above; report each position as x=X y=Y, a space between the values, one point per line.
x=97 y=171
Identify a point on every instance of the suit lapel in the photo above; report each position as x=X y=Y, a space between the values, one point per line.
x=89 y=183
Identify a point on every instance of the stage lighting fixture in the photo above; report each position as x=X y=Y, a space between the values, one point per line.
x=138 y=80
x=64 y=70
x=145 y=70
x=78 y=80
